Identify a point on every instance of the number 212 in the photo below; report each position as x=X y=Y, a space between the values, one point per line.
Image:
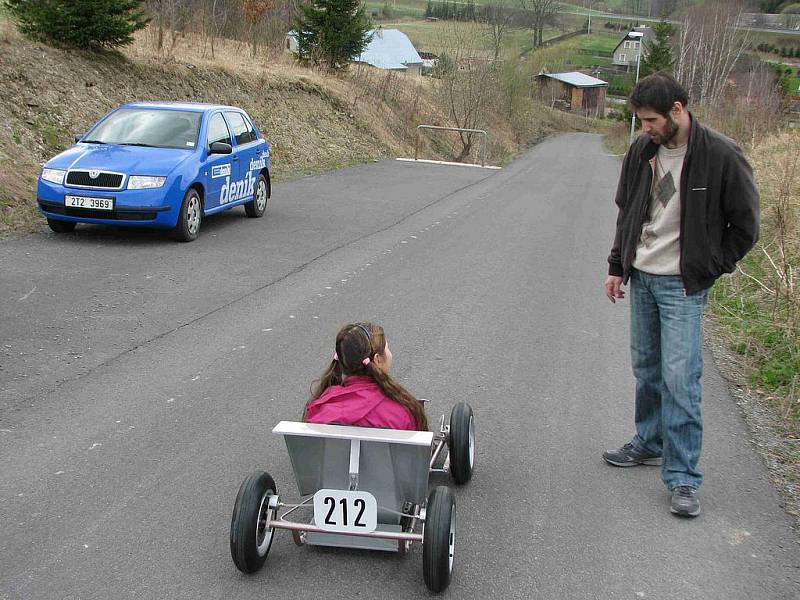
x=357 y=502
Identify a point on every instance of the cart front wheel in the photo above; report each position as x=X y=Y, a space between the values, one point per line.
x=438 y=539
x=250 y=536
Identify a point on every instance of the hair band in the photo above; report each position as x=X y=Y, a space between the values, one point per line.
x=365 y=330
x=335 y=356
x=365 y=362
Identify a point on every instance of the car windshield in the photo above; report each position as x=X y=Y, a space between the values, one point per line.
x=149 y=127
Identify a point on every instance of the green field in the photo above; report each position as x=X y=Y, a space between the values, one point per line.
x=436 y=36
x=405 y=9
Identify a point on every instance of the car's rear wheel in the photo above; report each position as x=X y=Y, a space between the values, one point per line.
x=190 y=217
x=61 y=226
x=256 y=207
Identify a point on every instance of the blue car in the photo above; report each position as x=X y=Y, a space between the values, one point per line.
x=162 y=164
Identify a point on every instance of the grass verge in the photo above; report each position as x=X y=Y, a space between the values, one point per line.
x=758 y=306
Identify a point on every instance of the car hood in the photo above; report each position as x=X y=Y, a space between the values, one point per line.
x=131 y=160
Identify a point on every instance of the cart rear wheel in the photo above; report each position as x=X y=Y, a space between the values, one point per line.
x=461 y=443
x=438 y=539
x=250 y=537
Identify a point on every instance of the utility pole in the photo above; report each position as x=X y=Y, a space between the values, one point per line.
x=637 y=36
x=588 y=5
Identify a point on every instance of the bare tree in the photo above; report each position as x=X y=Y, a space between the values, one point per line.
x=254 y=11
x=467 y=88
x=709 y=46
x=498 y=18
x=214 y=20
x=171 y=18
x=540 y=13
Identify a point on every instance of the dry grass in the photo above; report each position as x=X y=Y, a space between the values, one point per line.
x=756 y=311
x=760 y=303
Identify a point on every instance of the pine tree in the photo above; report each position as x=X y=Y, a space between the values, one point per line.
x=79 y=23
x=429 y=9
x=332 y=32
x=659 y=51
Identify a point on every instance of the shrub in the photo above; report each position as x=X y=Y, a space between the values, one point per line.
x=332 y=32
x=79 y=23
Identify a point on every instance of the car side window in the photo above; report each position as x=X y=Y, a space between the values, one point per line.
x=218 y=130
x=250 y=129
x=239 y=127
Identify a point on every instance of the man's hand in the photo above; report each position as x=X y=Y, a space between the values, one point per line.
x=613 y=290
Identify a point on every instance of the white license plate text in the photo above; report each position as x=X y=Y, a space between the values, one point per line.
x=89 y=202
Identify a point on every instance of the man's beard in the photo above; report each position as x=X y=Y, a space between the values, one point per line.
x=672 y=131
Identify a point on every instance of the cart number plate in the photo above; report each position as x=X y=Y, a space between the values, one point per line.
x=89 y=202
x=345 y=512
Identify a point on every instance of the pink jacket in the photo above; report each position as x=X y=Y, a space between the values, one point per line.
x=359 y=401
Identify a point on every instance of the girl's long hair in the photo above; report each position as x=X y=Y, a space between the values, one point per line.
x=353 y=345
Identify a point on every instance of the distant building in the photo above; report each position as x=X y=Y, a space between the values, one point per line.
x=574 y=92
x=392 y=50
x=629 y=47
x=429 y=61
x=389 y=49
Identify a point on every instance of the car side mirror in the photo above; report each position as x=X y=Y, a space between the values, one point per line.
x=220 y=148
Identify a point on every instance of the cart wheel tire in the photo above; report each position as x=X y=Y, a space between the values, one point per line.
x=256 y=207
x=250 y=540
x=461 y=443
x=61 y=226
x=438 y=539
x=190 y=217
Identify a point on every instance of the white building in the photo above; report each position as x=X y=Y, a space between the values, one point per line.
x=629 y=47
x=389 y=49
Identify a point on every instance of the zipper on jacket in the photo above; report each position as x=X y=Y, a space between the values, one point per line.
x=640 y=224
x=682 y=195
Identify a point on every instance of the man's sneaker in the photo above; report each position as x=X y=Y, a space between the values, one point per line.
x=628 y=456
x=685 y=502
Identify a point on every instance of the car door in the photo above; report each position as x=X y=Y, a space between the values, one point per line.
x=220 y=168
x=247 y=148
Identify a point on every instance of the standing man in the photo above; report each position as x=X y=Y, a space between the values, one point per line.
x=688 y=211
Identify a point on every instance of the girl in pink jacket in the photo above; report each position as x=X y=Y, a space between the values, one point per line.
x=356 y=388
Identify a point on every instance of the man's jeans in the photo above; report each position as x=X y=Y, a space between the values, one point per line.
x=667 y=358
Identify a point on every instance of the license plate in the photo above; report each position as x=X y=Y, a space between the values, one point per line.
x=89 y=203
x=345 y=512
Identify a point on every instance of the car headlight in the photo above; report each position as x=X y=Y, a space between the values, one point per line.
x=143 y=182
x=53 y=175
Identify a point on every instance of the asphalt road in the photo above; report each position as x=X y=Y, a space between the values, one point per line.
x=141 y=379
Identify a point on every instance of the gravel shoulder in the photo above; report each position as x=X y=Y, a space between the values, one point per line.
x=770 y=440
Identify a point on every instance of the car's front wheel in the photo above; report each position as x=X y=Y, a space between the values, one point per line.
x=61 y=226
x=189 y=219
x=256 y=207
